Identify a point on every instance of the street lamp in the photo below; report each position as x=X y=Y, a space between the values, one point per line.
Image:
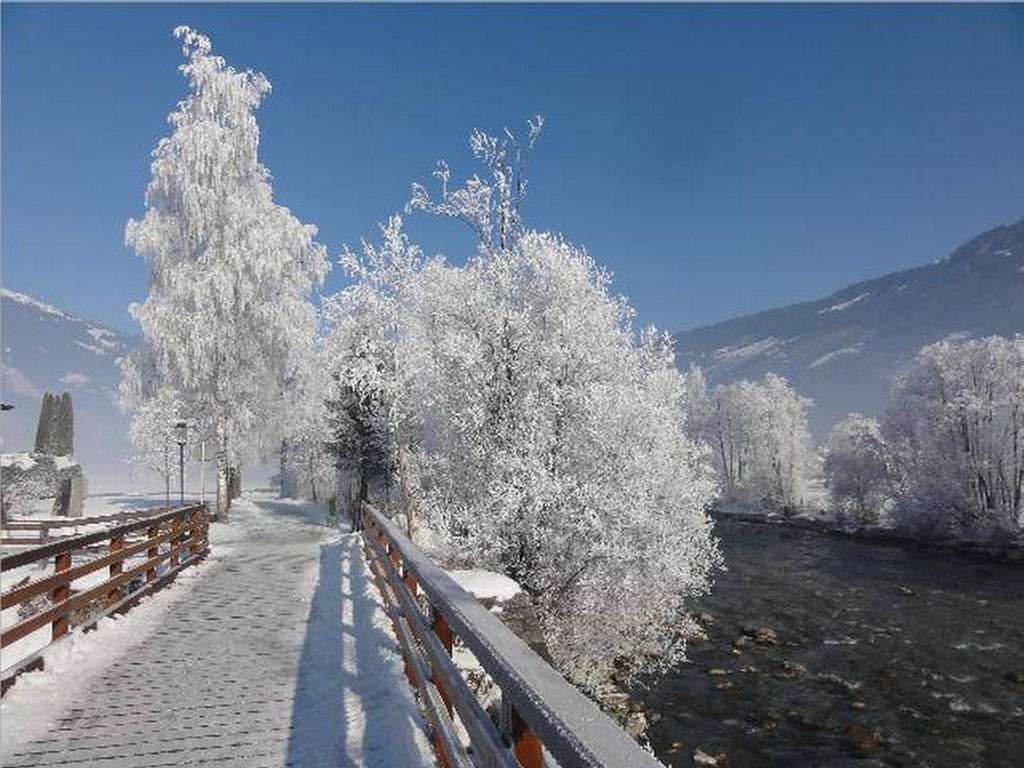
x=181 y=437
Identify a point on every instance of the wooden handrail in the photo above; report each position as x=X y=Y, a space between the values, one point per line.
x=44 y=523
x=29 y=556
x=18 y=595
x=447 y=683
x=184 y=532
x=539 y=707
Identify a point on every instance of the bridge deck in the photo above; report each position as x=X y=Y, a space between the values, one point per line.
x=277 y=654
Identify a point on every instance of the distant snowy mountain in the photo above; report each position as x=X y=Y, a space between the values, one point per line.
x=844 y=350
x=45 y=348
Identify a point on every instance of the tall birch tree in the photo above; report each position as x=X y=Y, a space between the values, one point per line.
x=227 y=321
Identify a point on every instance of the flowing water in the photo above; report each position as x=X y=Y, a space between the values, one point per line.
x=827 y=651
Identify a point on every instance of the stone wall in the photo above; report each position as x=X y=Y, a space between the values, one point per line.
x=42 y=475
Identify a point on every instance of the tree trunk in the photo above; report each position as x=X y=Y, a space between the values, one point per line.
x=234 y=483
x=403 y=488
x=283 y=469
x=364 y=495
x=312 y=474
x=223 y=499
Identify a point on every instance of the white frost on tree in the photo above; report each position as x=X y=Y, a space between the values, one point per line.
x=152 y=436
x=308 y=465
x=860 y=471
x=760 y=443
x=363 y=352
x=536 y=432
x=956 y=424
x=21 y=492
x=307 y=469
x=227 y=320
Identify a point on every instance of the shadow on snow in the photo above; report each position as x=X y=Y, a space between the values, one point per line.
x=335 y=695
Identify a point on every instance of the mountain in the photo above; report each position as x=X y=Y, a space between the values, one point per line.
x=45 y=348
x=844 y=350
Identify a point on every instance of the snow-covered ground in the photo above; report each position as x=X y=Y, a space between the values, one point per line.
x=35 y=641
x=275 y=651
x=487 y=586
x=31 y=708
x=95 y=506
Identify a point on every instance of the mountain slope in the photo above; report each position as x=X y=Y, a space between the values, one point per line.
x=45 y=348
x=844 y=350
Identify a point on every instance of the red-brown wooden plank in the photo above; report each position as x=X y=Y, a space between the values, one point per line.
x=18 y=595
x=59 y=625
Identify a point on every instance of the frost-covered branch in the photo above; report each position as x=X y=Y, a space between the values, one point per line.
x=492 y=208
x=530 y=428
x=228 y=325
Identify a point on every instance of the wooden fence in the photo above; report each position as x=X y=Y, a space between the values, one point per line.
x=43 y=526
x=172 y=540
x=540 y=710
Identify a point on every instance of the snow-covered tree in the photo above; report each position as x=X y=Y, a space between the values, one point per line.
x=362 y=348
x=359 y=446
x=859 y=470
x=308 y=463
x=307 y=469
x=536 y=431
x=307 y=460
x=154 y=450
x=227 y=320
x=957 y=426
x=759 y=440
x=21 y=491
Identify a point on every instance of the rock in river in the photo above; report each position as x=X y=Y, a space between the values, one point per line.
x=864 y=739
x=762 y=635
x=792 y=669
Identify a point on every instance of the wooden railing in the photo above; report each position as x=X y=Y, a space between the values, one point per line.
x=44 y=525
x=172 y=540
x=540 y=710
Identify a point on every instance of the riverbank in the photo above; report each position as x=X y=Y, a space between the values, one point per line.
x=1011 y=550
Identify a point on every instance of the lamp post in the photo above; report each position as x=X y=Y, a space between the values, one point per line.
x=181 y=436
x=167 y=470
x=202 y=472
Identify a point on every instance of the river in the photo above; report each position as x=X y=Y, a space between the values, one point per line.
x=828 y=651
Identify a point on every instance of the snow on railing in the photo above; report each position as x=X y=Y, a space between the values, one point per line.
x=173 y=540
x=540 y=711
x=45 y=526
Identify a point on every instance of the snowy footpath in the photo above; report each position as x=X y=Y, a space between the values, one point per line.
x=275 y=652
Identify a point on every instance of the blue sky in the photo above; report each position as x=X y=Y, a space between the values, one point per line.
x=720 y=160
